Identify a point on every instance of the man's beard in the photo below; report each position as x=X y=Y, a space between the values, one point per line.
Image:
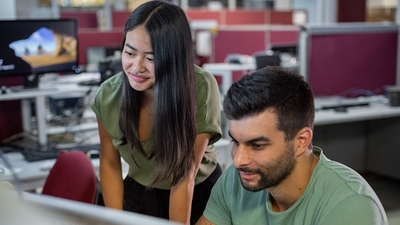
x=272 y=173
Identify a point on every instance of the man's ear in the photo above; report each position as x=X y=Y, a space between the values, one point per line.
x=303 y=140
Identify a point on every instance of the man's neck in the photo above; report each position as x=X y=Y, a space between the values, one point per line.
x=286 y=194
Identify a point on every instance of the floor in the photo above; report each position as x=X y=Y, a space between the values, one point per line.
x=388 y=191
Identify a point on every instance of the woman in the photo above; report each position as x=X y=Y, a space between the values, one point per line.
x=169 y=114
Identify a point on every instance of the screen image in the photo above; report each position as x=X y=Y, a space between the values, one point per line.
x=38 y=46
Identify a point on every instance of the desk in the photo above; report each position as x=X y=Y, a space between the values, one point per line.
x=32 y=175
x=225 y=70
x=60 y=85
x=364 y=138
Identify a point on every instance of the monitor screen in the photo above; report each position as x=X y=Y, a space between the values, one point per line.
x=38 y=46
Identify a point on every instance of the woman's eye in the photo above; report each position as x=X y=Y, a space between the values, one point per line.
x=128 y=53
x=150 y=59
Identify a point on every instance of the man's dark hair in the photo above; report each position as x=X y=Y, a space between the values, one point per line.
x=273 y=87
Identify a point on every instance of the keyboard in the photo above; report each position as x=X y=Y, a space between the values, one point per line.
x=33 y=155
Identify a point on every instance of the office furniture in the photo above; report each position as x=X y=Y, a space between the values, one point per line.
x=32 y=175
x=264 y=60
x=225 y=70
x=337 y=59
x=364 y=138
x=72 y=177
x=248 y=39
x=59 y=85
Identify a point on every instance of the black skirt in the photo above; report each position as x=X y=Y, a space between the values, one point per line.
x=155 y=202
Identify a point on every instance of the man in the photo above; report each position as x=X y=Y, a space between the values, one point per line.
x=277 y=176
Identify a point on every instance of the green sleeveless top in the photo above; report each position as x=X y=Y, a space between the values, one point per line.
x=106 y=106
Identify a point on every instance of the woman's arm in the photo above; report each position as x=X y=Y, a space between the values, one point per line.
x=110 y=171
x=182 y=194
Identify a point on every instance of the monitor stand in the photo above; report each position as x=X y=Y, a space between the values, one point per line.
x=31 y=81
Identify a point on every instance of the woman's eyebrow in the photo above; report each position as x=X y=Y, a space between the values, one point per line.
x=133 y=48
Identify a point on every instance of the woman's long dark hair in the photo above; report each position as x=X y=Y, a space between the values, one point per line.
x=174 y=103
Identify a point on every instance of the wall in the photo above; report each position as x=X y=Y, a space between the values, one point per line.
x=224 y=41
x=8 y=9
x=251 y=38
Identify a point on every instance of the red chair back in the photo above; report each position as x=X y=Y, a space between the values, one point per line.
x=72 y=177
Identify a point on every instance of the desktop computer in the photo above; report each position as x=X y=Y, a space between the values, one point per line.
x=66 y=104
x=29 y=208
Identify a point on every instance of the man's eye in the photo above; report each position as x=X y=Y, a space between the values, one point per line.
x=234 y=142
x=258 y=146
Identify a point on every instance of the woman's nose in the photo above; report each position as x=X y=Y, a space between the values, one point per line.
x=137 y=65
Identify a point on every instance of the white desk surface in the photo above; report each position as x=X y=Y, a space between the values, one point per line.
x=48 y=86
x=378 y=109
x=228 y=67
x=32 y=175
x=225 y=70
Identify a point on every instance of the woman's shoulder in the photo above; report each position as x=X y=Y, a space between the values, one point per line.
x=112 y=82
x=203 y=75
x=109 y=90
x=205 y=81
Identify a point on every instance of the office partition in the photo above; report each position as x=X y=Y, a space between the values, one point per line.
x=348 y=59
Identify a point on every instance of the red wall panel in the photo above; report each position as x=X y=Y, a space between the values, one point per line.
x=205 y=15
x=93 y=37
x=343 y=63
x=280 y=17
x=243 y=42
x=240 y=17
x=119 y=18
x=85 y=19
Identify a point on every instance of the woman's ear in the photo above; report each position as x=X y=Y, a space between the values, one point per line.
x=303 y=140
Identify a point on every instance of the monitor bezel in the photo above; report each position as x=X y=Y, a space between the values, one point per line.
x=72 y=70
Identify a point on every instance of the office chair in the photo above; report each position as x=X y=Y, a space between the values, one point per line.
x=72 y=177
x=264 y=59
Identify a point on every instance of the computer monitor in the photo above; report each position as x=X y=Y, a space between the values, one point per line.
x=47 y=210
x=264 y=60
x=29 y=48
x=290 y=48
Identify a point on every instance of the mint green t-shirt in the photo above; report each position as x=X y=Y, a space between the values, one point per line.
x=106 y=106
x=334 y=195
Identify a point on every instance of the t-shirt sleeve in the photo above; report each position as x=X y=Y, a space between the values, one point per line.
x=106 y=105
x=217 y=210
x=94 y=104
x=208 y=106
x=356 y=210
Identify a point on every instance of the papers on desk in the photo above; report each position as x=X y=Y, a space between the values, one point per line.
x=330 y=102
x=70 y=79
